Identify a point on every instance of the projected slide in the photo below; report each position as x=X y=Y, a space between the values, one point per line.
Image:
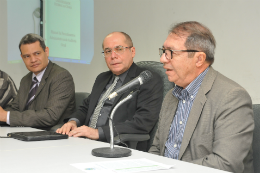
x=62 y=28
x=21 y=21
x=68 y=30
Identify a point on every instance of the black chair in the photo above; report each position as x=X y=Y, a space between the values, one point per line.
x=256 y=138
x=79 y=97
x=157 y=67
x=132 y=139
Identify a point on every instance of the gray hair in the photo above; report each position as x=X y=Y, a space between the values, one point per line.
x=199 y=37
x=32 y=38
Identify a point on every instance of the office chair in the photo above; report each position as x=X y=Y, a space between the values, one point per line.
x=132 y=139
x=79 y=97
x=256 y=138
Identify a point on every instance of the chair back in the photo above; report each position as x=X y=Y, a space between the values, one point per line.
x=156 y=67
x=79 y=97
x=256 y=138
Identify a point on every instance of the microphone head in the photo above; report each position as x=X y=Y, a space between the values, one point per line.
x=37 y=13
x=146 y=76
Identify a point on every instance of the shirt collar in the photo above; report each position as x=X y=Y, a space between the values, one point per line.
x=122 y=76
x=192 y=89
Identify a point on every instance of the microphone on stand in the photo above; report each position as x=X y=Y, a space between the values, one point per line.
x=144 y=77
x=114 y=152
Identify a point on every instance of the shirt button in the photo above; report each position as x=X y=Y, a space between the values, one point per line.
x=180 y=122
x=183 y=101
x=191 y=97
x=175 y=145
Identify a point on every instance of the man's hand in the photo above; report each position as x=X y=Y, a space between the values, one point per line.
x=86 y=132
x=66 y=128
x=3 y=115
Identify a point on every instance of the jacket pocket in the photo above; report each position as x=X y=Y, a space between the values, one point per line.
x=202 y=145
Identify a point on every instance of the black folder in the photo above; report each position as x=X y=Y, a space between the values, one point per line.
x=37 y=136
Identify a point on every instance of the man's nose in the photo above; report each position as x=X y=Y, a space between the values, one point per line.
x=163 y=59
x=33 y=58
x=113 y=54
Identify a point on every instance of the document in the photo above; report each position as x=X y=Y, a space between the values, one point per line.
x=121 y=166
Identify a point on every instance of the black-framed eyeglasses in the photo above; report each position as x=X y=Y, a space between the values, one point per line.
x=169 y=53
x=118 y=50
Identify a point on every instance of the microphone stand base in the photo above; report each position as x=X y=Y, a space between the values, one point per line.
x=116 y=152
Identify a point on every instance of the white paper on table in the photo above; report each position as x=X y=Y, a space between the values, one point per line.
x=134 y=165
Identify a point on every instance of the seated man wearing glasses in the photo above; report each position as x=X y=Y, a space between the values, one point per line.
x=138 y=115
x=207 y=119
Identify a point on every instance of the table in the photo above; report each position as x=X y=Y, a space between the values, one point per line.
x=55 y=156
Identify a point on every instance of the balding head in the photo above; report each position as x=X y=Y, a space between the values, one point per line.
x=127 y=40
x=118 y=52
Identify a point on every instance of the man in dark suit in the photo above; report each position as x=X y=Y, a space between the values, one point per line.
x=138 y=115
x=46 y=93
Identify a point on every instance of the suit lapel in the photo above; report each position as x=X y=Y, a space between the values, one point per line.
x=24 y=90
x=167 y=120
x=197 y=108
x=194 y=116
x=130 y=75
x=96 y=95
x=44 y=78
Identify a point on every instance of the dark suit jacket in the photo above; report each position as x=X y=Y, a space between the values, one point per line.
x=219 y=130
x=55 y=97
x=137 y=116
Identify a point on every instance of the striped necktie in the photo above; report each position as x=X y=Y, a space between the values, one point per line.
x=32 y=91
x=101 y=103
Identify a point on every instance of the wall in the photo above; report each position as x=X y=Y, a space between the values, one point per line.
x=234 y=23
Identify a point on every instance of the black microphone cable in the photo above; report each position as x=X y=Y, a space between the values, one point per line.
x=120 y=140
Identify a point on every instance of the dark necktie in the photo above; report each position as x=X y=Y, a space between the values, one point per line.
x=101 y=103
x=32 y=91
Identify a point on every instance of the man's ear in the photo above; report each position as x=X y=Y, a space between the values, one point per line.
x=47 y=51
x=200 y=58
x=133 y=51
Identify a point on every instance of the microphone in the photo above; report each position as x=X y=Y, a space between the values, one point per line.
x=144 y=77
x=36 y=13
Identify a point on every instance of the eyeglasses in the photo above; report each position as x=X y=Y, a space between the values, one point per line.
x=118 y=50
x=169 y=53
